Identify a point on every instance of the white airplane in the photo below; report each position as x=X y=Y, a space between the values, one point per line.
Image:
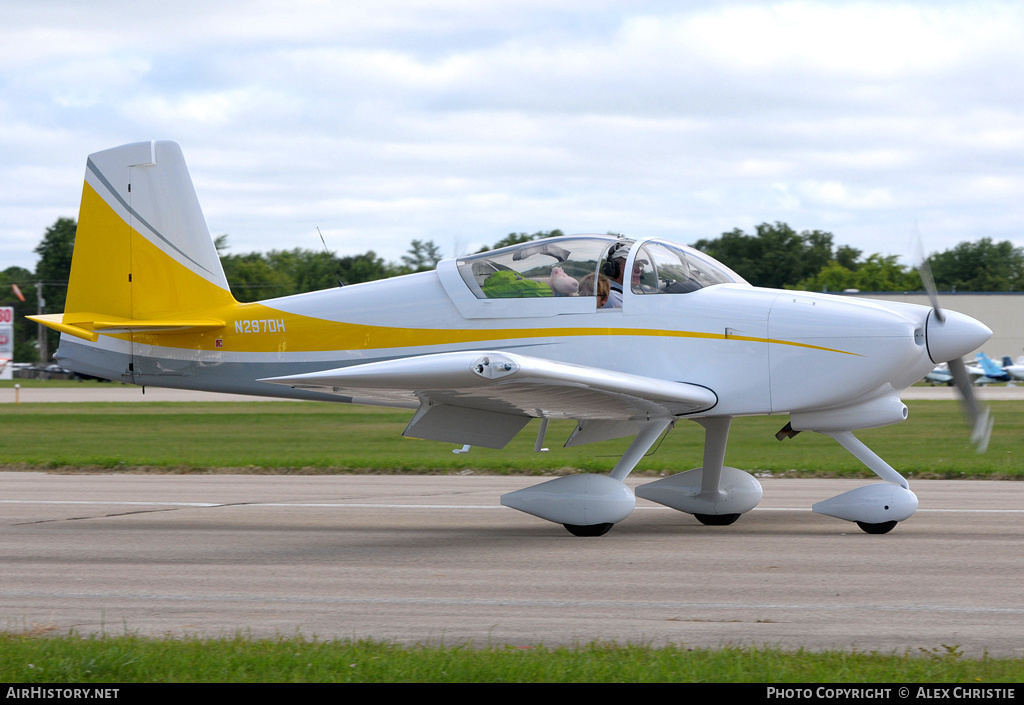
x=487 y=342
x=1014 y=369
x=940 y=374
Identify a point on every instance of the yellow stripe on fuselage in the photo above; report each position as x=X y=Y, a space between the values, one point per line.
x=254 y=328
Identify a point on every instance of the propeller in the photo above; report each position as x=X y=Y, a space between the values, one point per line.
x=947 y=334
x=977 y=414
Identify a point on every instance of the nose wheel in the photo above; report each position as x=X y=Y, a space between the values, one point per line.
x=880 y=528
x=717 y=519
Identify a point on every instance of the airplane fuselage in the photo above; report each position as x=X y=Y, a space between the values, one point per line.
x=755 y=348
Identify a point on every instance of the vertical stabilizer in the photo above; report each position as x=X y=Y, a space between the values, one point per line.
x=144 y=259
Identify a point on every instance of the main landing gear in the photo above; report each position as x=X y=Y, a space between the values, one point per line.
x=717 y=495
x=589 y=505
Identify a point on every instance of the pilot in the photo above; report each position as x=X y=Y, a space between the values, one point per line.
x=615 y=269
x=587 y=288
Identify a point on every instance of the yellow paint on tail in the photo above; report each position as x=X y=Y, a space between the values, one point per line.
x=122 y=283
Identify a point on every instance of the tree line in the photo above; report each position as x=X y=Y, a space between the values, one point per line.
x=777 y=256
x=774 y=255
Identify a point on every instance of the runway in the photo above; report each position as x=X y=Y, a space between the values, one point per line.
x=436 y=559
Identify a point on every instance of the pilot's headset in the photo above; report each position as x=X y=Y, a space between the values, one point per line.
x=612 y=266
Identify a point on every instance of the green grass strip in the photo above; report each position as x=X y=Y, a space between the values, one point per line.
x=309 y=437
x=131 y=659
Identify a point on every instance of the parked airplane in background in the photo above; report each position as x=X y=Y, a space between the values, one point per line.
x=1014 y=369
x=986 y=371
x=940 y=374
x=489 y=341
x=991 y=371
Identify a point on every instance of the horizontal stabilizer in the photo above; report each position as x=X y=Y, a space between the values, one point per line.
x=88 y=329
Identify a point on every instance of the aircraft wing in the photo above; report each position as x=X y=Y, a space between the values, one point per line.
x=485 y=398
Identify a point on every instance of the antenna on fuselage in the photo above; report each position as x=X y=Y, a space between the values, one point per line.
x=336 y=274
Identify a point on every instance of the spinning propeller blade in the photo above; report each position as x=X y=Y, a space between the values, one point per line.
x=978 y=415
x=925 y=271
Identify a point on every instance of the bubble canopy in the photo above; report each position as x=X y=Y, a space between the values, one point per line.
x=569 y=266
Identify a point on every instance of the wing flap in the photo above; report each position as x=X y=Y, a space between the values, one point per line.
x=457 y=424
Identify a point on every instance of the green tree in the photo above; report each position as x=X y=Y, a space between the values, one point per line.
x=256 y=276
x=422 y=256
x=252 y=278
x=847 y=256
x=773 y=257
x=54 y=265
x=53 y=270
x=306 y=270
x=366 y=267
x=832 y=277
x=883 y=273
x=982 y=265
x=876 y=273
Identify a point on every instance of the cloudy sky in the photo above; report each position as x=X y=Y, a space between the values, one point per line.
x=460 y=121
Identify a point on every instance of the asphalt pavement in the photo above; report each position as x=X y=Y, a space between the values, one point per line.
x=413 y=559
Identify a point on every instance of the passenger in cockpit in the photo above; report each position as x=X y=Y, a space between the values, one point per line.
x=587 y=288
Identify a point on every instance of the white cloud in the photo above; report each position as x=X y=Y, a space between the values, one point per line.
x=462 y=121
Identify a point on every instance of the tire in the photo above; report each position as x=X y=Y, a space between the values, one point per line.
x=881 y=528
x=588 y=529
x=717 y=519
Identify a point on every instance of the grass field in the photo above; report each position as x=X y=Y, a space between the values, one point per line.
x=329 y=438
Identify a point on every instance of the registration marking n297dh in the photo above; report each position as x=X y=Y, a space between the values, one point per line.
x=260 y=325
